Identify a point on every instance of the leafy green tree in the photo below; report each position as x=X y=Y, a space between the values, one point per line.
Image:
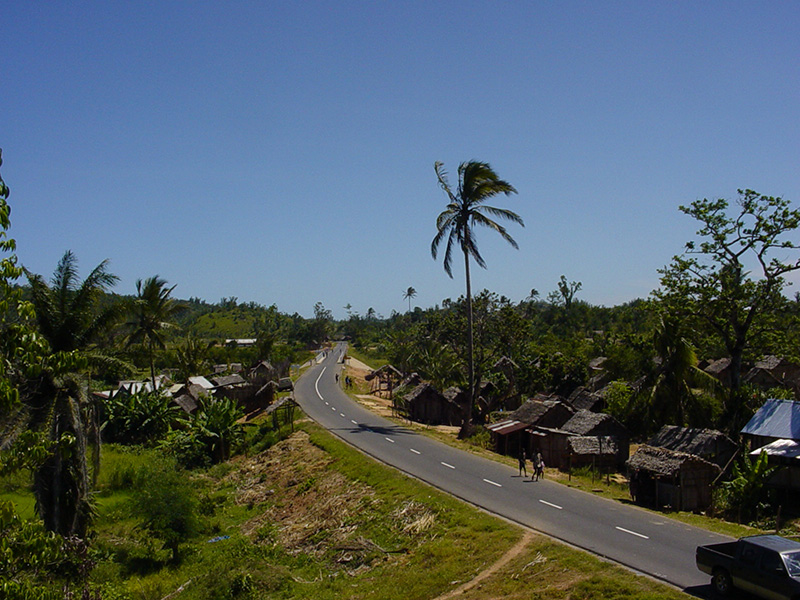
x=566 y=293
x=711 y=285
x=154 y=312
x=268 y=329
x=165 y=506
x=477 y=183
x=37 y=563
x=408 y=295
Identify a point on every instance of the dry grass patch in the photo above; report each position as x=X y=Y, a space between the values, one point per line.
x=313 y=510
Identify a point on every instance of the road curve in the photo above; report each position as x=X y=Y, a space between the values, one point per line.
x=641 y=540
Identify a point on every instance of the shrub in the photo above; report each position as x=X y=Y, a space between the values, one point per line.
x=140 y=418
x=165 y=505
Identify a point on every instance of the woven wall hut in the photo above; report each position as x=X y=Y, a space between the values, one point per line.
x=665 y=478
x=426 y=404
x=601 y=452
x=586 y=423
x=525 y=426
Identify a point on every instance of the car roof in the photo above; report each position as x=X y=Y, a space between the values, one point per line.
x=774 y=542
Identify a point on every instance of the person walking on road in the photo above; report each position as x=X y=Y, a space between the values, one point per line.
x=538 y=466
x=522 y=461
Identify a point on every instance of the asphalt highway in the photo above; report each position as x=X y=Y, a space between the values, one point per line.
x=636 y=538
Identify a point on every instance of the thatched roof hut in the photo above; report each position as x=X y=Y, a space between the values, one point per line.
x=426 y=404
x=709 y=444
x=582 y=399
x=663 y=477
x=587 y=447
x=586 y=422
x=384 y=380
x=186 y=402
x=543 y=413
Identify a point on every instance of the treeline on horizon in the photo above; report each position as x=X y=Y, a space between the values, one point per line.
x=557 y=344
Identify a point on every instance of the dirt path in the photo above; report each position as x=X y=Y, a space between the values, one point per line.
x=483 y=575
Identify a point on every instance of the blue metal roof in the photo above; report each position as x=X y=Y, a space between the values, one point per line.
x=776 y=419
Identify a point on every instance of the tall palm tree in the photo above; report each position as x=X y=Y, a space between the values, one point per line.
x=477 y=182
x=70 y=319
x=409 y=294
x=153 y=312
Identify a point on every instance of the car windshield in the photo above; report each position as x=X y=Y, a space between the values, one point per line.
x=792 y=561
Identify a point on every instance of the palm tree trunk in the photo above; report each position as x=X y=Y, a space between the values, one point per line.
x=152 y=366
x=465 y=427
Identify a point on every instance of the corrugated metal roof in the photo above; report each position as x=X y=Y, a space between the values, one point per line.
x=507 y=426
x=776 y=419
x=784 y=448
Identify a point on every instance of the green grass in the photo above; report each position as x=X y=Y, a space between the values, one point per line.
x=374 y=360
x=456 y=543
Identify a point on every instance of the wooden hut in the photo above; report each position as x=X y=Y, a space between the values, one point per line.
x=588 y=424
x=582 y=399
x=262 y=372
x=426 y=404
x=721 y=369
x=188 y=395
x=384 y=381
x=661 y=477
x=527 y=425
x=709 y=444
x=774 y=371
x=601 y=452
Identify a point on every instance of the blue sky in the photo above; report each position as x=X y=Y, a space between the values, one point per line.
x=283 y=152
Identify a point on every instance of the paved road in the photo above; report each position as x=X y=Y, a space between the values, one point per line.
x=639 y=539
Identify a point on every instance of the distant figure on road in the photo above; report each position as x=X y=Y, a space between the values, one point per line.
x=337 y=378
x=538 y=466
x=522 y=461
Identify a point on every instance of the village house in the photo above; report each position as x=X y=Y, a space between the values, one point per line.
x=583 y=399
x=775 y=429
x=384 y=381
x=721 y=369
x=660 y=477
x=426 y=404
x=774 y=371
x=603 y=442
x=775 y=420
x=709 y=444
x=526 y=426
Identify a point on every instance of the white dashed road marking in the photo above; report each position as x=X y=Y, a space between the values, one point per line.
x=389 y=440
x=493 y=482
x=415 y=451
x=448 y=466
x=551 y=504
x=634 y=533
